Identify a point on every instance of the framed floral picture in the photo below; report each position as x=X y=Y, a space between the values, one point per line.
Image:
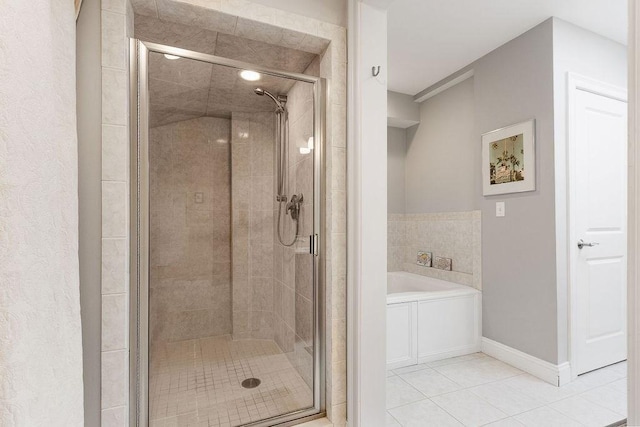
x=508 y=159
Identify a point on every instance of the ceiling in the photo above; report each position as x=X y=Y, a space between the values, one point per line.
x=183 y=89
x=429 y=40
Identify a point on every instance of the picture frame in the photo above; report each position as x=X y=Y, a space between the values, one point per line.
x=509 y=159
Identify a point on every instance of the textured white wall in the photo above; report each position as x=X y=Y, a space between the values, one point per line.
x=40 y=337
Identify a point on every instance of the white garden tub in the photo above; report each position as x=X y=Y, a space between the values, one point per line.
x=430 y=319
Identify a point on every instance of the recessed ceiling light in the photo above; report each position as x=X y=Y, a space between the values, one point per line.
x=172 y=57
x=249 y=75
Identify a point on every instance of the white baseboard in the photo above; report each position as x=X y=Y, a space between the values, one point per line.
x=557 y=375
x=460 y=351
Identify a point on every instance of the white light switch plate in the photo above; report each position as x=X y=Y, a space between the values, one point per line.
x=499 y=209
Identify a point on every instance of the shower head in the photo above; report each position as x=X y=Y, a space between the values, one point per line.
x=280 y=100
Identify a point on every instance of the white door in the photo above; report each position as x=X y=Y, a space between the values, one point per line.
x=599 y=215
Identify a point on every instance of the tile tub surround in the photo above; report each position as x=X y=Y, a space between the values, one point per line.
x=323 y=37
x=190 y=240
x=455 y=235
x=476 y=390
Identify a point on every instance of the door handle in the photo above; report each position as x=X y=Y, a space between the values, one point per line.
x=582 y=244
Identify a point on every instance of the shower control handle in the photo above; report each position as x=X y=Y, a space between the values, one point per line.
x=293 y=207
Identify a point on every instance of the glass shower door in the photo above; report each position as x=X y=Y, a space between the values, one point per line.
x=230 y=310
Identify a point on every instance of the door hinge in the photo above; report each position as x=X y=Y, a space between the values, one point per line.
x=313 y=244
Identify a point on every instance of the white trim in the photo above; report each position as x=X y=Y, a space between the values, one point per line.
x=396 y=122
x=379 y=4
x=577 y=82
x=451 y=83
x=353 y=211
x=588 y=84
x=366 y=215
x=460 y=351
x=557 y=375
x=633 y=218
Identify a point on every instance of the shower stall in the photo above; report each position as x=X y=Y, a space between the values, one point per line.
x=227 y=240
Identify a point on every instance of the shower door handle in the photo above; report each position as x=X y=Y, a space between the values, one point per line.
x=313 y=244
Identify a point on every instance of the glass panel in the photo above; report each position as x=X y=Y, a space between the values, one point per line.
x=231 y=300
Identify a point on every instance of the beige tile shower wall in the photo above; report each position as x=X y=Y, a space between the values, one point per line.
x=117 y=25
x=455 y=235
x=333 y=66
x=252 y=174
x=293 y=285
x=190 y=230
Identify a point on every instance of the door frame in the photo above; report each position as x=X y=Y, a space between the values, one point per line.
x=633 y=218
x=577 y=82
x=139 y=229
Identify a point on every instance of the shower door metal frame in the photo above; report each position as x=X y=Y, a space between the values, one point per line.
x=139 y=228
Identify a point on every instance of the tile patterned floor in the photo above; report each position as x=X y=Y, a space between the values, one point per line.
x=478 y=390
x=197 y=383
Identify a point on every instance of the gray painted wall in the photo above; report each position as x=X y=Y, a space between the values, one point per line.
x=88 y=93
x=514 y=83
x=524 y=270
x=396 y=152
x=441 y=161
x=588 y=54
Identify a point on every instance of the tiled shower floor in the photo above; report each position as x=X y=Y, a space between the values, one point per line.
x=197 y=383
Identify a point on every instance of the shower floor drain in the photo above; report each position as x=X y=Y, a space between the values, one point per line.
x=251 y=383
